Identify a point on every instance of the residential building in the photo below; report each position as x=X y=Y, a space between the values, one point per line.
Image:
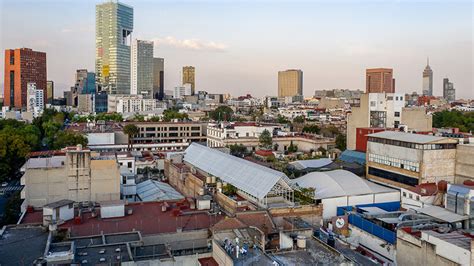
x=142 y=68
x=23 y=66
x=290 y=82
x=181 y=91
x=159 y=78
x=449 y=92
x=49 y=91
x=35 y=98
x=405 y=160
x=77 y=174
x=189 y=77
x=428 y=80
x=133 y=104
x=114 y=26
x=379 y=80
x=464 y=163
x=385 y=110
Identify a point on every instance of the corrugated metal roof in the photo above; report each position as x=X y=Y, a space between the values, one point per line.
x=337 y=183
x=442 y=214
x=317 y=163
x=152 y=190
x=410 y=137
x=252 y=178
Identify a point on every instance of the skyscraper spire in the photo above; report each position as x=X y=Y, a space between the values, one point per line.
x=428 y=61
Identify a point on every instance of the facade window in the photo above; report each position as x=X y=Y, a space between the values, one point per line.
x=173 y=129
x=397 y=114
x=404 y=194
x=403 y=179
x=129 y=164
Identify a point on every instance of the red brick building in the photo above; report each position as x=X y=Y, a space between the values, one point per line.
x=379 y=80
x=23 y=66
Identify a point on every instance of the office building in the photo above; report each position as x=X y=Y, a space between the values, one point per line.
x=449 y=93
x=158 y=78
x=189 y=77
x=35 y=99
x=101 y=102
x=379 y=80
x=384 y=110
x=23 y=66
x=142 y=68
x=49 y=91
x=84 y=84
x=75 y=174
x=290 y=82
x=133 y=104
x=428 y=80
x=405 y=160
x=181 y=91
x=114 y=26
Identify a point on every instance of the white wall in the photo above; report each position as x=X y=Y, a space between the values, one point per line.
x=112 y=211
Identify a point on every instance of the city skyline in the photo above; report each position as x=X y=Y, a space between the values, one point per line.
x=218 y=45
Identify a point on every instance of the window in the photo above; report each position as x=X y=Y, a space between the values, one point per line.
x=129 y=164
x=173 y=134
x=417 y=197
x=173 y=129
x=397 y=114
x=195 y=128
x=403 y=179
x=404 y=194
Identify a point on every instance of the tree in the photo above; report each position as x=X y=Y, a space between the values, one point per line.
x=299 y=119
x=313 y=129
x=462 y=120
x=155 y=119
x=265 y=139
x=65 y=138
x=341 y=142
x=138 y=118
x=131 y=130
x=282 y=120
x=229 y=190
x=222 y=113
x=238 y=150
x=13 y=152
x=173 y=113
x=292 y=148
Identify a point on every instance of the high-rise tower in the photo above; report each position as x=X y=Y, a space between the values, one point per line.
x=142 y=68
x=428 y=80
x=113 y=35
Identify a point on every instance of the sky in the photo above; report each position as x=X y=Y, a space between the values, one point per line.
x=238 y=47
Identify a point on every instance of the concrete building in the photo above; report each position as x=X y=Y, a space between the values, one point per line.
x=23 y=66
x=158 y=78
x=86 y=103
x=133 y=104
x=431 y=247
x=189 y=77
x=84 y=84
x=35 y=98
x=385 y=110
x=170 y=132
x=428 y=80
x=379 y=80
x=405 y=160
x=217 y=133
x=142 y=69
x=449 y=92
x=182 y=91
x=49 y=91
x=290 y=82
x=78 y=175
x=464 y=163
x=113 y=32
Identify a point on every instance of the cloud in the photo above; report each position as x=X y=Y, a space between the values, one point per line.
x=191 y=44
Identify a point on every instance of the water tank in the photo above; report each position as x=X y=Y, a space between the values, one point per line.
x=442 y=185
x=213 y=180
x=301 y=241
x=208 y=180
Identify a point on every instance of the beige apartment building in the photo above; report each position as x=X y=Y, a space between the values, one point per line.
x=290 y=82
x=79 y=175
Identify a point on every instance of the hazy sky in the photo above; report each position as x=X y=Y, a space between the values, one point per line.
x=238 y=47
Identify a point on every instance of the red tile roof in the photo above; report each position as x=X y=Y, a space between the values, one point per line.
x=260 y=219
x=228 y=223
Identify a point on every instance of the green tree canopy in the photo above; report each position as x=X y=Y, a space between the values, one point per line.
x=130 y=130
x=341 y=142
x=299 y=119
x=172 y=113
x=313 y=129
x=265 y=139
x=462 y=120
x=222 y=113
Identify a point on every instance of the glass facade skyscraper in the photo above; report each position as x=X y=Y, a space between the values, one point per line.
x=114 y=26
x=142 y=68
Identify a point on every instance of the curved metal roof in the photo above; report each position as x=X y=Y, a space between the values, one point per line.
x=249 y=177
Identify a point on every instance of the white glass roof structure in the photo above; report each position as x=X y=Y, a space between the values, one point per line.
x=316 y=163
x=152 y=190
x=338 y=183
x=249 y=177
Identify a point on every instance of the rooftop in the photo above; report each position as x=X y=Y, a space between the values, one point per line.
x=454 y=238
x=148 y=218
x=410 y=137
x=58 y=203
x=338 y=183
x=316 y=163
x=22 y=245
x=236 y=171
x=442 y=214
x=152 y=190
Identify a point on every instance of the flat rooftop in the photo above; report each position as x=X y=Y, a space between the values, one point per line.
x=147 y=218
x=20 y=245
x=412 y=138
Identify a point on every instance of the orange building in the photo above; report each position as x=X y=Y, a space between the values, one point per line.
x=379 y=80
x=23 y=66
